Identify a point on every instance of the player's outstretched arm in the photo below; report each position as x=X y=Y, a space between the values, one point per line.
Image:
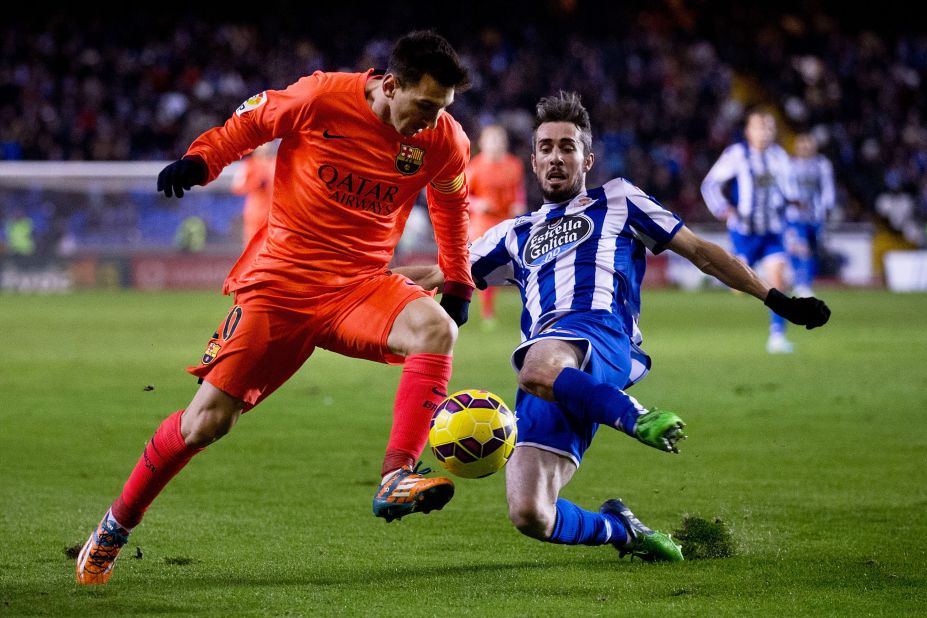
x=714 y=260
x=181 y=175
x=720 y=264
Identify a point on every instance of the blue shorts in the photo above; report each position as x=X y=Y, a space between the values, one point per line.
x=752 y=248
x=801 y=237
x=609 y=356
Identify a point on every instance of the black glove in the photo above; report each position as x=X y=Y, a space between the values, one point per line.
x=455 y=300
x=181 y=175
x=808 y=312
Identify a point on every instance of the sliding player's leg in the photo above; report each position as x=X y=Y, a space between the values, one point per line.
x=581 y=363
x=550 y=448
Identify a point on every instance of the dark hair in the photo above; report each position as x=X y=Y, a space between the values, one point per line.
x=757 y=110
x=564 y=107
x=426 y=52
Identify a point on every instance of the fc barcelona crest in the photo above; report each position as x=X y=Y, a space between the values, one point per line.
x=212 y=350
x=409 y=159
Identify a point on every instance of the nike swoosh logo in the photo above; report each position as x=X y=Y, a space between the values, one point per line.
x=437 y=391
x=328 y=135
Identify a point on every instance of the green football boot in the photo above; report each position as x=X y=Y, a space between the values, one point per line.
x=648 y=545
x=660 y=429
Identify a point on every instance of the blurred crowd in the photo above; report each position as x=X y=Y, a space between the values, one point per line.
x=666 y=83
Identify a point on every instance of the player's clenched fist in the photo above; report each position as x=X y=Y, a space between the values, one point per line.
x=181 y=175
x=455 y=300
x=808 y=312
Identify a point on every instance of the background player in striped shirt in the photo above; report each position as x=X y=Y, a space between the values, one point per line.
x=748 y=187
x=579 y=262
x=813 y=177
x=356 y=150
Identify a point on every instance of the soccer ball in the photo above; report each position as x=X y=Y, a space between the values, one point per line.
x=472 y=433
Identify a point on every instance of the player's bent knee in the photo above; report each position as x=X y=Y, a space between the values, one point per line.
x=204 y=423
x=531 y=521
x=422 y=327
x=209 y=426
x=538 y=381
x=435 y=334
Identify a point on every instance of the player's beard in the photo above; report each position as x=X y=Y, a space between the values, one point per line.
x=564 y=194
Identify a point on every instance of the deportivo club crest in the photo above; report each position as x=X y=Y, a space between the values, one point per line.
x=554 y=238
x=409 y=159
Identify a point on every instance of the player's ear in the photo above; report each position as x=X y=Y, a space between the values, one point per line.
x=588 y=161
x=534 y=164
x=389 y=85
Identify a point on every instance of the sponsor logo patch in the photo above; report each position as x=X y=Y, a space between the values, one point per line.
x=409 y=159
x=358 y=192
x=212 y=350
x=253 y=103
x=554 y=238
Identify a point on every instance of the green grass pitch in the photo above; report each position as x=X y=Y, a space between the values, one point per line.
x=815 y=460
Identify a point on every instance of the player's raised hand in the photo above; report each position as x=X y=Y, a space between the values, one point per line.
x=181 y=175
x=455 y=300
x=808 y=312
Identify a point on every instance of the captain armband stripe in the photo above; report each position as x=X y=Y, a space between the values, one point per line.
x=449 y=186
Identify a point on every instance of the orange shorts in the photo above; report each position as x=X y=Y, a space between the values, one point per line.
x=268 y=334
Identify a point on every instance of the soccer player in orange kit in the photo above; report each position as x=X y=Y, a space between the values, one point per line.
x=255 y=180
x=497 y=192
x=356 y=149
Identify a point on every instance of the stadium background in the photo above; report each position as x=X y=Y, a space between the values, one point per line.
x=666 y=84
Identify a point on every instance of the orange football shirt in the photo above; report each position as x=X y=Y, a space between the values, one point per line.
x=254 y=180
x=345 y=184
x=497 y=191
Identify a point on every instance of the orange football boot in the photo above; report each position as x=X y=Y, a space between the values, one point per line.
x=95 y=561
x=406 y=490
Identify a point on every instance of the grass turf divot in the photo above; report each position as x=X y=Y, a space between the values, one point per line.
x=702 y=539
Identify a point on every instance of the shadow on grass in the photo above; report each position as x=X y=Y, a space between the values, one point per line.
x=393 y=575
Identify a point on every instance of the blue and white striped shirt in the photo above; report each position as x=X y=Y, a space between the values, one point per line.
x=814 y=182
x=762 y=184
x=582 y=255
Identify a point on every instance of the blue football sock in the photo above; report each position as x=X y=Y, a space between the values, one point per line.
x=592 y=401
x=776 y=324
x=801 y=269
x=575 y=526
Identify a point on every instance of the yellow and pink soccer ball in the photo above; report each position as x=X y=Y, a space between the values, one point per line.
x=472 y=433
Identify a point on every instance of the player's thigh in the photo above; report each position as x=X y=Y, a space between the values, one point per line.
x=422 y=326
x=610 y=358
x=255 y=349
x=594 y=342
x=545 y=359
x=534 y=477
x=364 y=316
